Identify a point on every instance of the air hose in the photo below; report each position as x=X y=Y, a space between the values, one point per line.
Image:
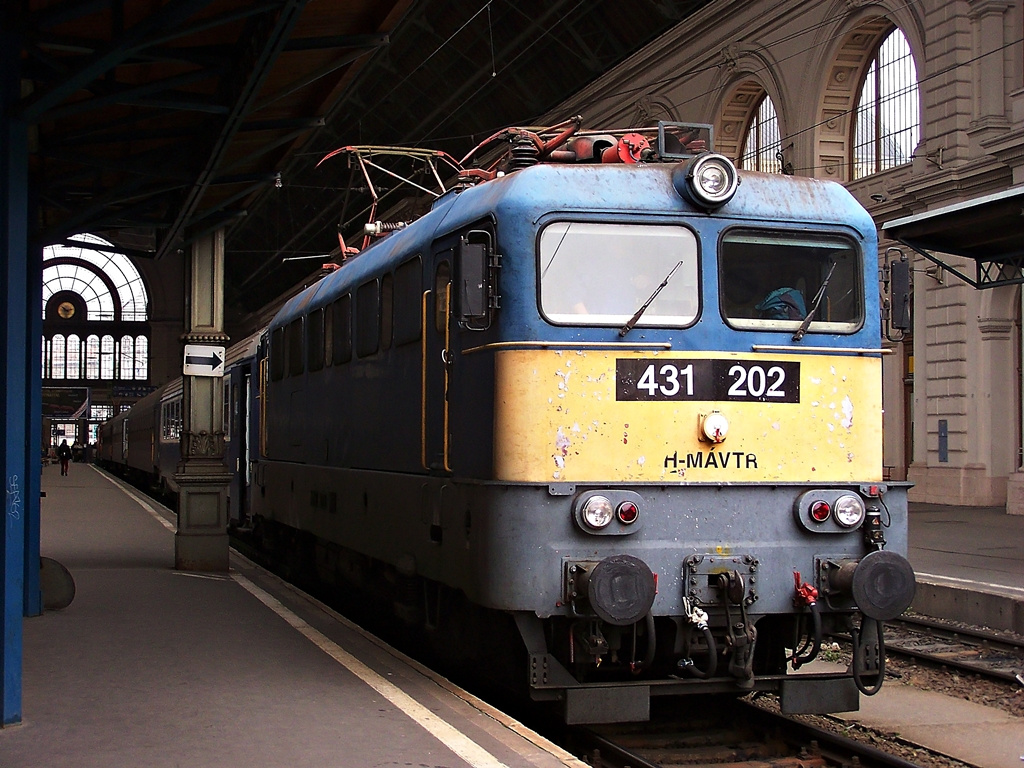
x=860 y=661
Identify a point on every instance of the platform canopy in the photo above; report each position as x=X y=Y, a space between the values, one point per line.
x=155 y=122
x=987 y=230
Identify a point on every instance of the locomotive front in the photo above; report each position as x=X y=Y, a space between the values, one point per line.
x=687 y=490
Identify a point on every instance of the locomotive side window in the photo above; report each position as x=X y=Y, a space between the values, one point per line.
x=770 y=281
x=408 y=288
x=442 y=279
x=341 y=336
x=293 y=347
x=387 y=309
x=277 y=354
x=367 y=318
x=315 y=340
x=601 y=274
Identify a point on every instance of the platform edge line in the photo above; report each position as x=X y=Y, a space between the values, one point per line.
x=451 y=737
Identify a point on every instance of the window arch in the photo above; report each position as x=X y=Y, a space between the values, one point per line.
x=110 y=284
x=748 y=128
x=762 y=141
x=887 y=120
x=95 y=313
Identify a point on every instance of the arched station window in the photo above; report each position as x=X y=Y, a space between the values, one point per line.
x=887 y=120
x=94 y=314
x=763 y=142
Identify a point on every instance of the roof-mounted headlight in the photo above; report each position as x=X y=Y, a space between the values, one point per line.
x=709 y=180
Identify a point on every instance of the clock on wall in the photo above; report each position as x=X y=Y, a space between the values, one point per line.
x=66 y=310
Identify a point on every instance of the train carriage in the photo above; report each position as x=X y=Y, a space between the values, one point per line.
x=634 y=408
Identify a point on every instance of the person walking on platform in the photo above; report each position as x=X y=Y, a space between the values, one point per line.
x=64 y=455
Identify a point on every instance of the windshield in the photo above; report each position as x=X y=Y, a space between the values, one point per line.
x=601 y=274
x=770 y=280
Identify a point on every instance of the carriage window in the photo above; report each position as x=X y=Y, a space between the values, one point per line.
x=387 y=309
x=367 y=318
x=408 y=291
x=341 y=326
x=601 y=274
x=293 y=347
x=315 y=340
x=769 y=281
x=277 y=354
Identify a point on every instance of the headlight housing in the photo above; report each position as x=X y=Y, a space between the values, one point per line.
x=849 y=510
x=709 y=180
x=597 y=512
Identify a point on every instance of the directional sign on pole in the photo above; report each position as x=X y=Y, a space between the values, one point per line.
x=203 y=360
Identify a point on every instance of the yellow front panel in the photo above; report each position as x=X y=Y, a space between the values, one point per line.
x=557 y=419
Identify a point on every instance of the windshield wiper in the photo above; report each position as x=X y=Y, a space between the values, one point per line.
x=814 y=305
x=639 y=313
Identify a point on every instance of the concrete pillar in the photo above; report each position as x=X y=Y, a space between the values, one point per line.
x=201 y=541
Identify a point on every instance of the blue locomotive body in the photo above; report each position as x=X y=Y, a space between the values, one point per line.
x=662 y=486
x=617 y=422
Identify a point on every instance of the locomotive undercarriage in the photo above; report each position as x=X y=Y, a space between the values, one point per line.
x=592 y=670
x=600 y=670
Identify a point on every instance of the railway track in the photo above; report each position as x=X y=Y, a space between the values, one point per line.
x=995 y=655
x=732 y=733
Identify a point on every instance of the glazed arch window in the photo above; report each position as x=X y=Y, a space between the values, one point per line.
x=91 y=292
x=887 y=120
x=763 y=143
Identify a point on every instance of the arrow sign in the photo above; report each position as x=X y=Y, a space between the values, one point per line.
x=202 y=360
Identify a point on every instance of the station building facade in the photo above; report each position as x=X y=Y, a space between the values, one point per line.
x=913 y=106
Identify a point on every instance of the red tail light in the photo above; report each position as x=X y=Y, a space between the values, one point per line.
x=820 y=510
x=627 y=512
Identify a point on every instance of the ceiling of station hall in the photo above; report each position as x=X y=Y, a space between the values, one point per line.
x=156 y=121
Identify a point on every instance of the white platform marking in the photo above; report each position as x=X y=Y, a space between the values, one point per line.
x=456 y=741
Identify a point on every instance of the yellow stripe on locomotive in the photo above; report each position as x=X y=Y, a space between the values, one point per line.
x=602 y=415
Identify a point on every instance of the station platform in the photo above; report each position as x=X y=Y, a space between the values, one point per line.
x=150 y=666
x=969 y=563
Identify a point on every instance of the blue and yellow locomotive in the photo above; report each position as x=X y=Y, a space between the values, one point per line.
x=620 y=401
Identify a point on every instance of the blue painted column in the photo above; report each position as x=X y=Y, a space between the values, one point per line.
x=33 y=426
x=16 y=399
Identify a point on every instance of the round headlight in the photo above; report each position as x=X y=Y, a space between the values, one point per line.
x=849 y=510
x=597 y=512
x=711 y=180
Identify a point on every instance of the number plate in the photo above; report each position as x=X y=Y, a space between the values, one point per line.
x=759 y=381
